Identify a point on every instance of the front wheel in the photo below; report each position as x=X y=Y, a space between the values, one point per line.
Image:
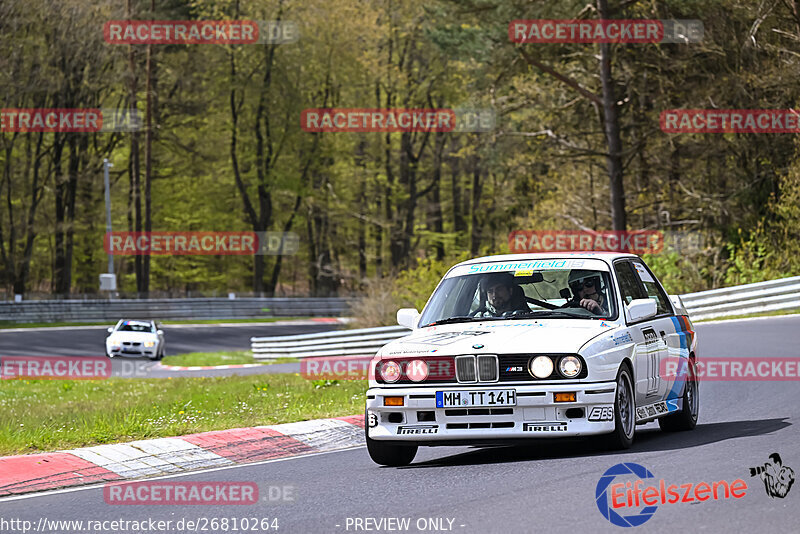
x=686 y=419
x=388 y=454
x=624 y=412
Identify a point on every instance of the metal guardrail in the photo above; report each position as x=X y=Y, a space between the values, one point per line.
x=42 y=311
x=773 y=295
x=360 y=342
x=781 y=294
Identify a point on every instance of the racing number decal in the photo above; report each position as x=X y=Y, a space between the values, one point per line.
x=651 y=342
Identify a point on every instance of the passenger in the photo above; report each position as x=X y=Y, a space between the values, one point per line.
x=587 y=292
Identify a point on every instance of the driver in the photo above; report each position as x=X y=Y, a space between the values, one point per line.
x=501 y=295
x=586 y=291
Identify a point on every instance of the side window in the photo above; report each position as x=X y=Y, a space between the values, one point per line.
x=628 y=282
x=652 y=288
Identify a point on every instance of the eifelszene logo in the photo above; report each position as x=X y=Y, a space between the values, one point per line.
x=632 y=494
x=601 y=496
x=778 y=478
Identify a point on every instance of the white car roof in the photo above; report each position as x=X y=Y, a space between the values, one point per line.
x=604 y=255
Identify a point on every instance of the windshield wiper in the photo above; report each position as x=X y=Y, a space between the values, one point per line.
x=545 y=313
x=463 y=319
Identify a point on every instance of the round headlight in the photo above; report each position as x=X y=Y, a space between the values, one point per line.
x=570 y=366
x=417 y=370
x=390 y=371
x=541 y=367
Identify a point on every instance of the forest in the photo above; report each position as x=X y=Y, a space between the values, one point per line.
x=576 y=142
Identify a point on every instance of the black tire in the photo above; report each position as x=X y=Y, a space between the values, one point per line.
x=686 y=418
x=624 y=412
x=388 y=454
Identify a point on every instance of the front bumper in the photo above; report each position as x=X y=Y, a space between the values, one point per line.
x=536 y=414
x=132 y=351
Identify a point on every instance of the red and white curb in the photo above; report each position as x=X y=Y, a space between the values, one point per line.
x=162 y=367
x=162 y=456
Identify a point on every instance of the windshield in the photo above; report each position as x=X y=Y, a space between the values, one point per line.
x=522 y=294
x=136 y=327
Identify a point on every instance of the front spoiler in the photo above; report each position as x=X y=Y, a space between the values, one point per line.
x=536 y=415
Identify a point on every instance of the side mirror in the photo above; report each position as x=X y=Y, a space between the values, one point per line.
x=408 y=317
x=641 y=309
x=160 y=332
x=110 y=329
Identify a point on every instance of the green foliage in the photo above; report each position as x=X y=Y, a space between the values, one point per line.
x=413 y=287
x=771 y=250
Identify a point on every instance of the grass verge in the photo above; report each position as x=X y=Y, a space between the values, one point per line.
x=218 y=358
x=46 y=415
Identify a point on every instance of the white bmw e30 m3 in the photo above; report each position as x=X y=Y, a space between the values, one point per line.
x=534 y=346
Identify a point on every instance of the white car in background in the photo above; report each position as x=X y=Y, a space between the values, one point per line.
x=135 y=338
x=515 y=347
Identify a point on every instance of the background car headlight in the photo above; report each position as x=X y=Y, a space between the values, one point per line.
x=390 y=371
x=541 y=367
x=569 y=366
x=149 y=344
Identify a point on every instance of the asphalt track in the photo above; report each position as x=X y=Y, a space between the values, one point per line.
x=545 y=487
x=85 y=341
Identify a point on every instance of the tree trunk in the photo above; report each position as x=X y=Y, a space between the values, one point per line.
x=361 y=230
x=148 y=157
x=612 y=131
x=437 y=217
x=60 y=275
x=459 y=225
x=475 y=233
x=134 y=158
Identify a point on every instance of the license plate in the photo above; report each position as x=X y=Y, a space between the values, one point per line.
x=478 y=397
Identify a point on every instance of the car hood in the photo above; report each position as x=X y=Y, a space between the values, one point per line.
x=499 y=337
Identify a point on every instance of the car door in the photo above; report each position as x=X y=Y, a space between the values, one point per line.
x=649 y=337
x=669 y=331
